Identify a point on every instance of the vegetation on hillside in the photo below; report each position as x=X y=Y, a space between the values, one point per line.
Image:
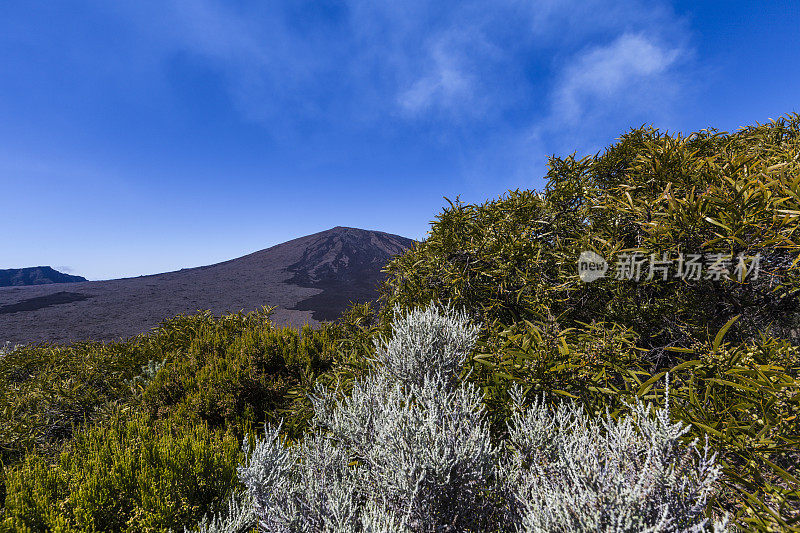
x=164 y=413
x=730 y=344
x=144 y=435
x=408 y=450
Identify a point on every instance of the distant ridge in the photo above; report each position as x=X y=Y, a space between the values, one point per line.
x=40 y=275
x=309 y=279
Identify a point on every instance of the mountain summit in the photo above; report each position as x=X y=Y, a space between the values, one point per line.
x=345 y=263
x=309 y=279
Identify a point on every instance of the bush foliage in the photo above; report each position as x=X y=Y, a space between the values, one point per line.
x=416 y=455
x=199 y=383
x=512 y=263
x=129 y=474
x=515 y=258
x=240 y=370
x=143 y=435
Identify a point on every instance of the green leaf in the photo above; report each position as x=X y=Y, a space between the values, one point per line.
x=721 y=333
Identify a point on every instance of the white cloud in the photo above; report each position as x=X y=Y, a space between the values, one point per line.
x=472 y=60
x=547 y=64
x=622 y=70
x=446 y=85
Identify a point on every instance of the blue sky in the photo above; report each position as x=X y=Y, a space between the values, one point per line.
x=147 y=136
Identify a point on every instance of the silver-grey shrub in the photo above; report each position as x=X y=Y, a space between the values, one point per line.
x=426 y=343
x=568 y=472
x=409 y=450
x=426 y=450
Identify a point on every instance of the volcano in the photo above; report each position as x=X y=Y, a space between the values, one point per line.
x=309 y=279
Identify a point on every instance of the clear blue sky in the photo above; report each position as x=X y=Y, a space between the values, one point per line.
x=144 y=136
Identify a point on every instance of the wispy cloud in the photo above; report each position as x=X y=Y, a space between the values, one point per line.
x=446 y=83
x=463 y=61
x=503 y=83
x=632 y=70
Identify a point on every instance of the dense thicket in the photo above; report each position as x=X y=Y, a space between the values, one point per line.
x=515 y=258
x=156 y=420
x=130 y=473
x=144 y=435
x=409 y=450
x=729 y=343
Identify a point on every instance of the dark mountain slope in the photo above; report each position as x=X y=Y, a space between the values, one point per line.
x=346 y=266
x=41 y=275
x=309 y=279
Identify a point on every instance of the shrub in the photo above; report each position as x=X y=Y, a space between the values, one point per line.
x=239 y=372
x=511 y=263
x=409 y=450
x=568 y=472
x=417 y=444
x=49 y=389
x=198 y=373
x=597 y=365
x=515 y=258
x=133 y=474
x=744 y=398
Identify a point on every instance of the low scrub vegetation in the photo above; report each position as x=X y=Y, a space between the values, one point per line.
x=500 y=415
x=415 y=454
x=144 y=435
x=130 y=474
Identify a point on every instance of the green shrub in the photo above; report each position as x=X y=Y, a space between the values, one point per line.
x=512 y=263
x=597 y=365
x=48 y=389
x=201 y=373
x=128 y=474
x=515 y=258
x=241 y=371
x=746 y=399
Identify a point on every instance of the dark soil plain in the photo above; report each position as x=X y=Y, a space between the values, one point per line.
x=308 y=279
